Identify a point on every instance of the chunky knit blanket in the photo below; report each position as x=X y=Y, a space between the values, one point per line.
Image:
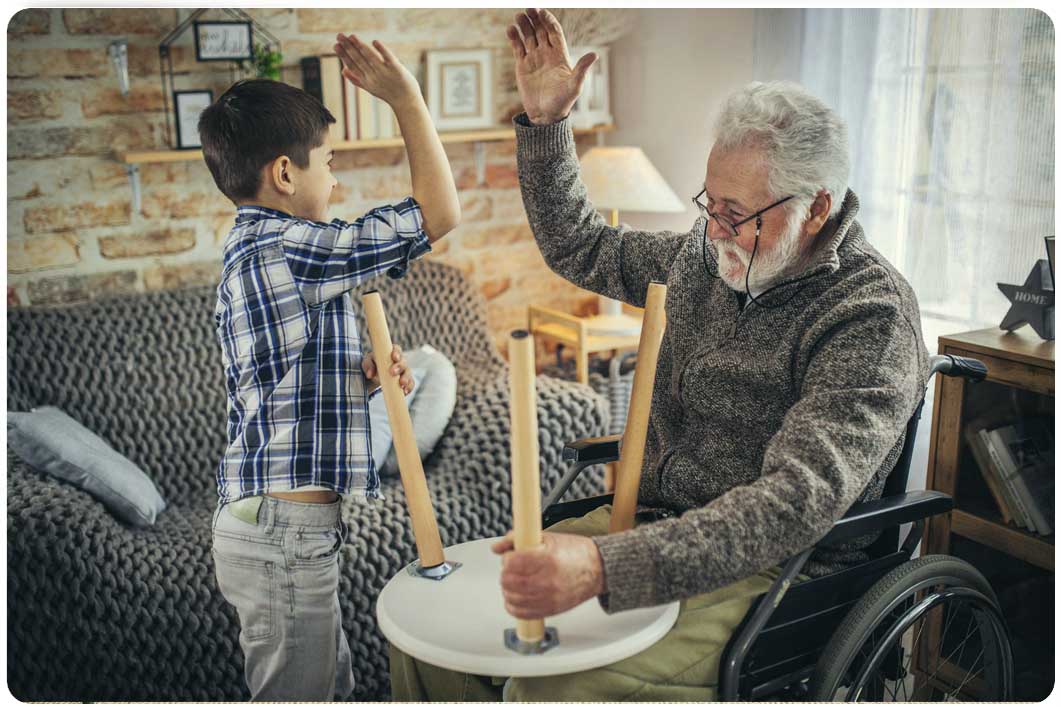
x=100 y=611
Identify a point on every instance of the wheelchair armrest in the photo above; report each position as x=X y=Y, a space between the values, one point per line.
x=593 y=450
x=865 y=518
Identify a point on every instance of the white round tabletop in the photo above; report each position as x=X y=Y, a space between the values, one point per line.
x=458 y=623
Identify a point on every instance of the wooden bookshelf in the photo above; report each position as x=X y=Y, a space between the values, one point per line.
x=1018 y=360
x=492 y=135
x=1020 y=377
x=1004 y=537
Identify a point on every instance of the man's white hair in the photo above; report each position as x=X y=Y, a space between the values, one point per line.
x=804 y=142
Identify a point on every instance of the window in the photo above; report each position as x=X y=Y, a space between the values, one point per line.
x=951 y=118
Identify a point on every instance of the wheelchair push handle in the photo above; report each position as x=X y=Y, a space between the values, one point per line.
x=959 y=367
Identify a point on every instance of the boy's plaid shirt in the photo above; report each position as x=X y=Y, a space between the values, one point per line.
x=297 y=408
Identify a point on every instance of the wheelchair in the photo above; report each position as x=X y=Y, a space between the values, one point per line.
x=889 y=629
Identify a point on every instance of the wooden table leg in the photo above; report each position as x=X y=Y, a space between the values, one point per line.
x=609 y=477
x=410 y=467
x=633 y=450
x=526 y=480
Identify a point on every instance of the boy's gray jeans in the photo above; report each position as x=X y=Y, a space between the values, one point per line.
x=277 y=562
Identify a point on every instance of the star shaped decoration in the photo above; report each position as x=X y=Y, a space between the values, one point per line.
x=1031 y=303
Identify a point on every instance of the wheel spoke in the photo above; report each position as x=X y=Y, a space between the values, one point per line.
x=944 y=633
x=903 y=680
x=921 y=627
x=963 y=644
x=908 y=661
x=970 y=675
x=960 y=647
x=957 y=653
x=931 y=663
x=892 y=691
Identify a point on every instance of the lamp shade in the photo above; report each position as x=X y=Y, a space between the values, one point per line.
x=623 y=179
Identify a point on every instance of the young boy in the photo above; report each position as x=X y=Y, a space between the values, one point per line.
x=296 y=376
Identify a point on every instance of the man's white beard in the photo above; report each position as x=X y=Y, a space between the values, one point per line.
x=768 y=269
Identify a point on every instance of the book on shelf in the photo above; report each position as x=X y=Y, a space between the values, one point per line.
x=322 y=78
x=1026 y=455
x=978 y=447
x=386 y=123
x=366 y=116
x=332 y=88
x=350 y=111
x=1019 y=506
x=311 y=76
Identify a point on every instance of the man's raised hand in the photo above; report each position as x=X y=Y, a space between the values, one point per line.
x=548 y=85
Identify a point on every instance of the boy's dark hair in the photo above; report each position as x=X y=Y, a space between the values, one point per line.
x=254 y=122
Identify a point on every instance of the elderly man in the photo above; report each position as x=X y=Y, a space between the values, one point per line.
x=792 y=360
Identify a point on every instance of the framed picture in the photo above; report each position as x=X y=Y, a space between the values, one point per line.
x=593 y=106
x=228 y=40
x=187 y=105
x=460 y=85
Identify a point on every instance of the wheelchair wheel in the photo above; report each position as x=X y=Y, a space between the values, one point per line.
x=930 y=630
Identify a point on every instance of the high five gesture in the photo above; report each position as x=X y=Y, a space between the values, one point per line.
x=548 y=84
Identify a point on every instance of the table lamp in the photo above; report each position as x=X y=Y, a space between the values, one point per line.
x=623 y=178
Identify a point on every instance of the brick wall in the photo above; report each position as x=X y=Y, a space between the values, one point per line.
x=73 y=235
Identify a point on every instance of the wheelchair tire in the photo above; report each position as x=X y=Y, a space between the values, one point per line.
x=856 y=659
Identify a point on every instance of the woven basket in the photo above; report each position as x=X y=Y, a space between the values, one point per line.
x=612 y=379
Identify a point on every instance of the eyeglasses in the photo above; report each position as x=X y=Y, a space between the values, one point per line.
x=727 y=224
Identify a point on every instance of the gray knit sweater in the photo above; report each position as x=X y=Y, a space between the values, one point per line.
x=766 y=424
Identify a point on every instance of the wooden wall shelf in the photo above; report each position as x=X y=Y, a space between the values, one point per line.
x=1036 y=549
x=133 y=159
x=493 y=135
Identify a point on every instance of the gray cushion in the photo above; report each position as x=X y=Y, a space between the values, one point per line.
x=433 y=406
x=379 y=423
x=53 y=442
x=430 y=406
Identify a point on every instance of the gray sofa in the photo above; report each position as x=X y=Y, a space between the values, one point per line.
x=98 y=610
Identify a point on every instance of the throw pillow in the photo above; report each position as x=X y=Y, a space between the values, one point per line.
x=53 y=442
x=434 y=403
x=379 y=423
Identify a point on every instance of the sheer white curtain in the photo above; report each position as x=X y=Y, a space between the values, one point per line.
x=951 y=118
x=951 y=121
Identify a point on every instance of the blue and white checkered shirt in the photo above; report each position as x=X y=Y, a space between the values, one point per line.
x=297 y=407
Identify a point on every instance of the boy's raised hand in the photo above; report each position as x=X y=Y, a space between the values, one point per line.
x=399 y=367
x=375 y=69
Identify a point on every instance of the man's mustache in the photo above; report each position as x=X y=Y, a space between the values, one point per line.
x=723 y=247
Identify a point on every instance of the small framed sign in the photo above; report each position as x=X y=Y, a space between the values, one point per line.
x=223 y=41
x=460 y=88
x=1050 y=256
x=188 y=105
